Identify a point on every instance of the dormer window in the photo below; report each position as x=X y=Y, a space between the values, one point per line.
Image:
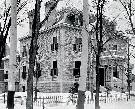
x=77 y=47
x=71 y=19
x=114 y=47
x=54 y=46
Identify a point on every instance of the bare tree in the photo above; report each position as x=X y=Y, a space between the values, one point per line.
x=6 y=26
x=127 y=4
x=12 y=60
x=14 y=8
x=36 y=25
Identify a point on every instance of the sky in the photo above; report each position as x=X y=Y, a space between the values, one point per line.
x=112 y=9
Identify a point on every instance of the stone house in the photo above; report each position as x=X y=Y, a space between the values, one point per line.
x=59 y=54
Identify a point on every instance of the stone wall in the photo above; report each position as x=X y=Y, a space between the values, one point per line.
x=65 y=57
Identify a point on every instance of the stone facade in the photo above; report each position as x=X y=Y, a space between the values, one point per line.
x=65 y=55
x=60 y=47
x=113 y=62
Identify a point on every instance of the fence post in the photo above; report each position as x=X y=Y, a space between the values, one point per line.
x=43 y=103
x=105 y=99
x=4 y=98
x=127 y=97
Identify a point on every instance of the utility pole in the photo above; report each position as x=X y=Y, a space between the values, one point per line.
x=12 y=59
x=84 y=57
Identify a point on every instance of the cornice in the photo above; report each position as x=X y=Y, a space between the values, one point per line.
x=60 y=25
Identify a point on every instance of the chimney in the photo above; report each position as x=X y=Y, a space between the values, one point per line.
x=48 y=5
x=52 y=17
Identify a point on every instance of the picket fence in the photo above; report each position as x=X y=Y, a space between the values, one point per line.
x=56 y=99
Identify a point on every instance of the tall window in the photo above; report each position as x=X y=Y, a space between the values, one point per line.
x=24 y=53
x=54 y=70
x=115 y=72
x=24 y=72
x=54 y=46
x=77 y=47
x=76 y=70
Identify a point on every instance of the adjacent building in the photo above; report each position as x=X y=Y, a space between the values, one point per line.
x=6 y=71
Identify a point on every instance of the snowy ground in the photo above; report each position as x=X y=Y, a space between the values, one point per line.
x=116 y=105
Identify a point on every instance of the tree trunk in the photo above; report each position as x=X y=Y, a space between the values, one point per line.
x=10 y=99
x=97 y=82
x=32 y=54
x=12 y=60
x=81 y=99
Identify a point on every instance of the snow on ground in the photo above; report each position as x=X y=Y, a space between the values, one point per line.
x=116 y=105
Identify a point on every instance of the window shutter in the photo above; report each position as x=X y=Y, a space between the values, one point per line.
x=6 y=76
x=52 y=72
x=74 y=47
x=24 y=68
x=76 y=72
x=56 y=71
x=54 y=40
x=24 y=75
x=24 y=51
x=52 y=47
x=54 y=64
x=56 y=46
x=77 y=64
x=79 y=40
x=24 y=72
